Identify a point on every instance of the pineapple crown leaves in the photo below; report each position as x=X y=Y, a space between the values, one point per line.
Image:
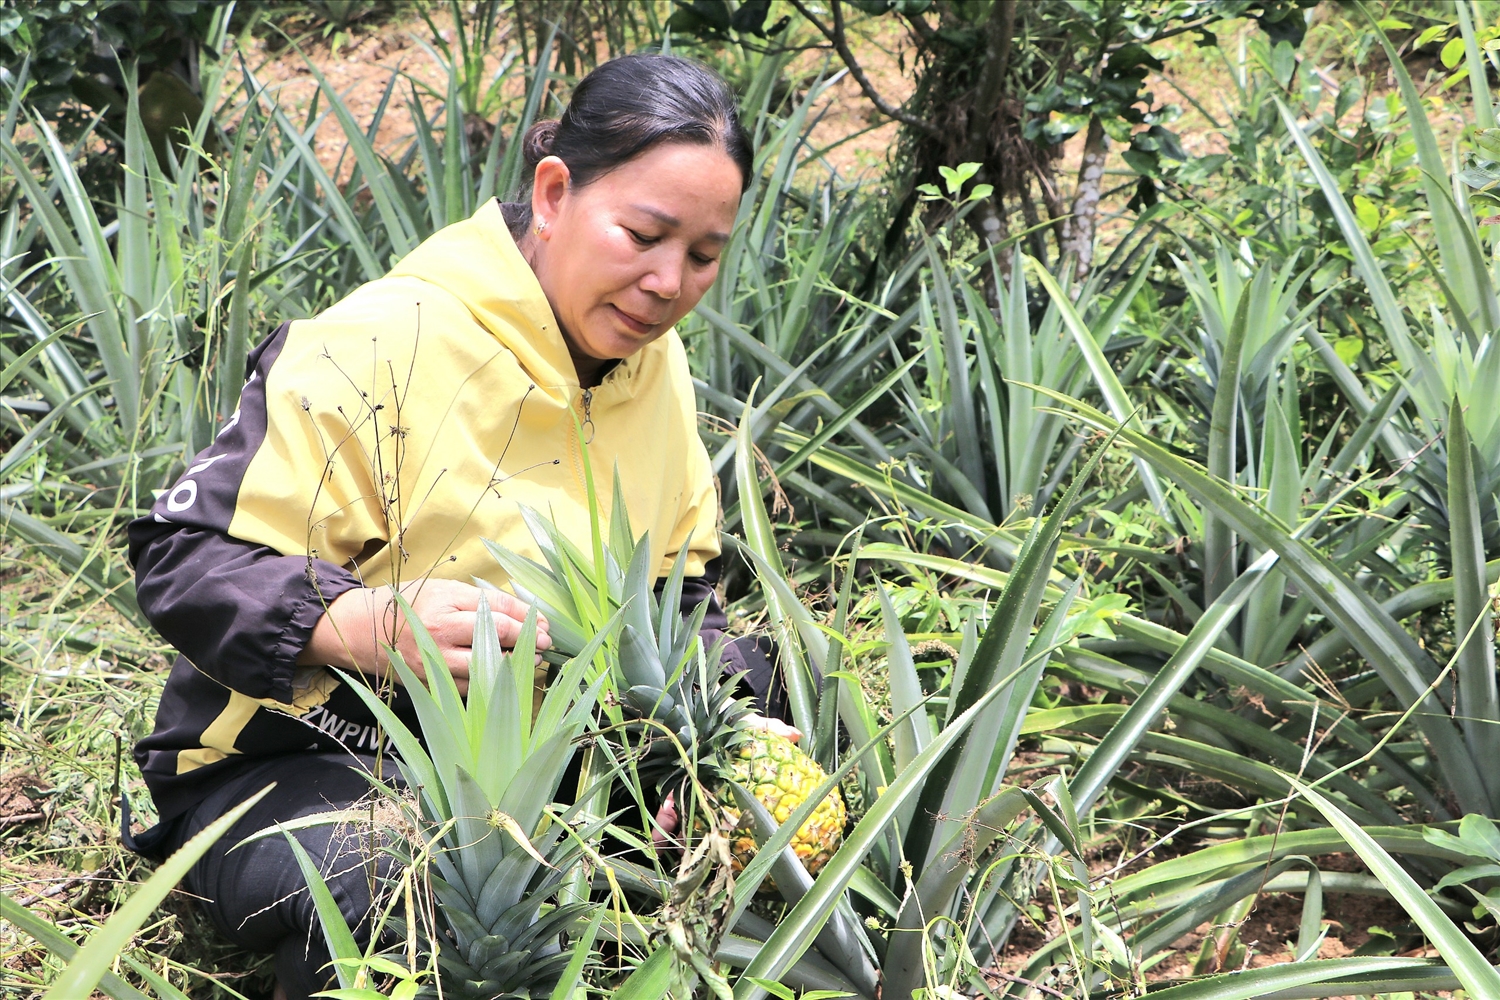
x=656 y=648
x=484 y=778
x=578 y=596
x=487 y=755
x=521 y=952
x=518 y=878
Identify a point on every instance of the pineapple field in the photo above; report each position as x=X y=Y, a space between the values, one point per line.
x=1095 y=394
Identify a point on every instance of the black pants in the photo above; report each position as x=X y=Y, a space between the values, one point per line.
x=256 y=895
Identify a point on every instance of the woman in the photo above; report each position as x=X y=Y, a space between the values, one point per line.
x=379 y=443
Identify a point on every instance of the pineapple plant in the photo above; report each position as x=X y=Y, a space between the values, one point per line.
x=490 y=768
x=662 y=674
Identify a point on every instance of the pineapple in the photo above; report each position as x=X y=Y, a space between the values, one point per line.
x=662 y=673
x=781 y=777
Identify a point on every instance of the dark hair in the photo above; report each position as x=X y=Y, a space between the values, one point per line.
x=630 y=104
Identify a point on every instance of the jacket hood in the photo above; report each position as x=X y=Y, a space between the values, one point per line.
x=477 y=261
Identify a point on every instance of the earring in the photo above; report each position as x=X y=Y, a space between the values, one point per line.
x=539 y=227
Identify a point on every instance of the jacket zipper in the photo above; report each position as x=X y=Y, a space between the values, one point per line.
x=588 y=419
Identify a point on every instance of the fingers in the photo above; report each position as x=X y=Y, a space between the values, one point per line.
x=667 y=814
x=457 y=661
x=434 y=600
x=773 y=726
x=509 y=629
x=458 y=668
x=513 y=607
x=454 y=628
x=662 y=832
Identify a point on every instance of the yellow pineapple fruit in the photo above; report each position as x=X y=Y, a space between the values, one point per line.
x=781 y=777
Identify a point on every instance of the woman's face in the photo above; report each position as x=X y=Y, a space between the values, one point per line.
x=624 y=258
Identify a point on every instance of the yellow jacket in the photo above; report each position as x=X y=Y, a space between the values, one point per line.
x=426 y=406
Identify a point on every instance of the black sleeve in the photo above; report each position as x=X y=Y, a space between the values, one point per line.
x=240 y=611
x=746 y=654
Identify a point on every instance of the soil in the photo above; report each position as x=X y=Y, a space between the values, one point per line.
x=865 y=136
x=22 y=799
x=1267 y=935
x=359 y=66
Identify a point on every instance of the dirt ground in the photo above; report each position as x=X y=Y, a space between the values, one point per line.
x=359 y=68
x=1267 y=936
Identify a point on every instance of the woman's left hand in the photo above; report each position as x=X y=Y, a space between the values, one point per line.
x=667 y=818
x=663 y=834
x=773 y=726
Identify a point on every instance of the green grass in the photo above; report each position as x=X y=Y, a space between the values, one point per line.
x=79 y=685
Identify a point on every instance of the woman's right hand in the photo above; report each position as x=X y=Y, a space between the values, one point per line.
x=358 y=625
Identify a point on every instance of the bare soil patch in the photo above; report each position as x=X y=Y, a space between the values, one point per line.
x=23 y=798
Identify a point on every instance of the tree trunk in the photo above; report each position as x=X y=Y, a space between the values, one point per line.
x=984 y=131
x=988 y=219
x=1079 y=237
x=1037 y=235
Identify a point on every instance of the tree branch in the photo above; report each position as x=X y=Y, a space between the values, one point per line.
x=836 y=36
x=1181 y=29
x=919 y=27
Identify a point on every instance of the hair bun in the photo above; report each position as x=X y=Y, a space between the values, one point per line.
x=633 y=103
x=537 y=145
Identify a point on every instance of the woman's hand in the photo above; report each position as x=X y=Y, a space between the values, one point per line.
x=663 y=833
x=773 y=726
x=358 y=624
